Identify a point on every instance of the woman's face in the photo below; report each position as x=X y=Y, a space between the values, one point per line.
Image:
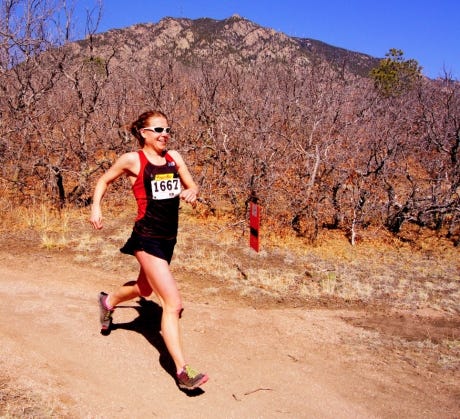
x=156 y=133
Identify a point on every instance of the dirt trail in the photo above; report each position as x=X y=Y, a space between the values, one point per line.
x=262 y=363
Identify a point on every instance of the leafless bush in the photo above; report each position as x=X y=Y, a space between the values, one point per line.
x=317 y=146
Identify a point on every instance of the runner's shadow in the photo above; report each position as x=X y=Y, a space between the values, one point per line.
x=148 y=324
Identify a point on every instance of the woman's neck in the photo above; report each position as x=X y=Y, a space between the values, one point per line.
x=153 y=155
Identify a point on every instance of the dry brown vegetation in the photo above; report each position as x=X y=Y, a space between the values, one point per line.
x=379 y=271
x=253 y=114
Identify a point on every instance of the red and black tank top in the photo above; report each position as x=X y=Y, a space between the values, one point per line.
x=157 y=190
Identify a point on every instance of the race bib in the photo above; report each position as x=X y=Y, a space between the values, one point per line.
x=165 y=186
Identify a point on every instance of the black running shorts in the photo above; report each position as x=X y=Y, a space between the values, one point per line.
x=161 y=248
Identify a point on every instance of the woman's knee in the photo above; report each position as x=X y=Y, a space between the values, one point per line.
x=173 y=307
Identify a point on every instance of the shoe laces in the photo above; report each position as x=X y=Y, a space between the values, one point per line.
x=191 y=373
x=108 y=315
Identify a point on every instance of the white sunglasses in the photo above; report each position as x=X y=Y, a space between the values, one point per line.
x=158 y=130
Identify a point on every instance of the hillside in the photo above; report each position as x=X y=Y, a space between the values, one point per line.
x=234 y=40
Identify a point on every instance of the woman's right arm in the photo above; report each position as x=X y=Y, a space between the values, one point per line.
x=124 y=165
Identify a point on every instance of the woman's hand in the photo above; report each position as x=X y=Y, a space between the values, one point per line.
x=96 y=217
x=189 y=196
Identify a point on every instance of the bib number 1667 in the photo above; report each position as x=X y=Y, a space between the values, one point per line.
x=165 y=188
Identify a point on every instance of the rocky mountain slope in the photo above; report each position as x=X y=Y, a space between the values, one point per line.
x=233 y=40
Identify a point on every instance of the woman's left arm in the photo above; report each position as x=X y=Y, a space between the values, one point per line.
x=190 y=193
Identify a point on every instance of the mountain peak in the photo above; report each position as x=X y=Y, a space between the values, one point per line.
x=234 y=39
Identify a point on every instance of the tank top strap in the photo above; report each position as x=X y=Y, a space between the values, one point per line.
x=170 y=160
x=168 y=157
x=143 y=158
x=138 y=185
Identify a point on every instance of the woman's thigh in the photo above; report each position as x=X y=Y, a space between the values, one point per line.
x=157 y=273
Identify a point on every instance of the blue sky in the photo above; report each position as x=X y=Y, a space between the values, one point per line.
x=427 y=31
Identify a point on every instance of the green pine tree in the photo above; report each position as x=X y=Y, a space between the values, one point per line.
x=395 y=75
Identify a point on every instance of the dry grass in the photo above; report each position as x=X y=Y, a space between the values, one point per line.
x=381 y=272
x=215 y=252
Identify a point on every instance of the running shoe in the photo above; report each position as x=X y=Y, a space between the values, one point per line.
x=189 y=379
x=105 y=315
